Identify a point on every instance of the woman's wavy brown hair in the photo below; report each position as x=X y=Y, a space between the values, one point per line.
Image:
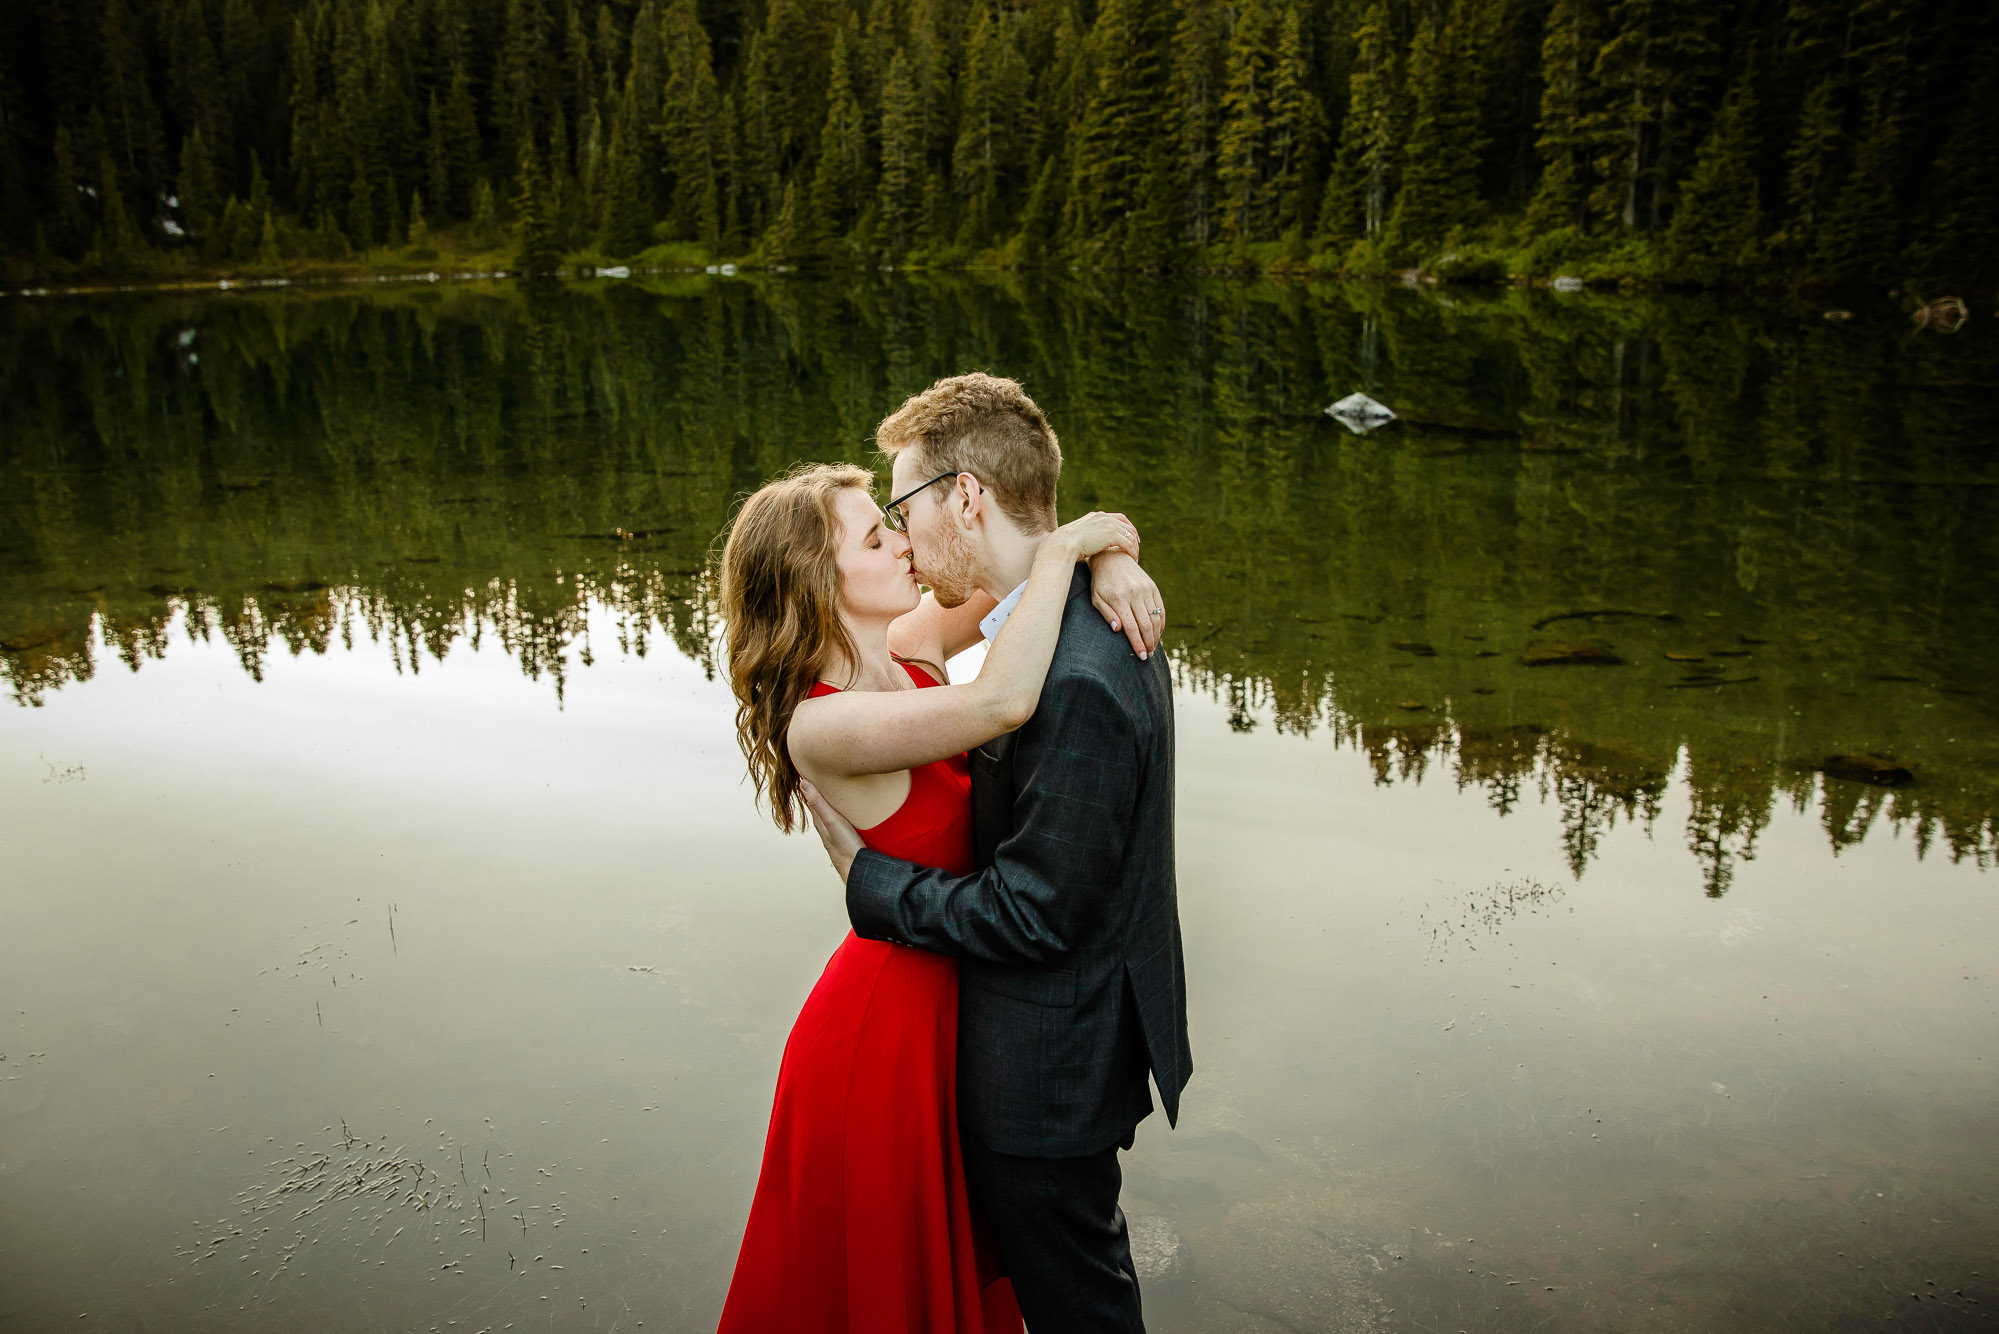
x=781 y=616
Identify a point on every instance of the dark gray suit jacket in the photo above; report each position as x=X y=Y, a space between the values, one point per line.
x=1072 y=985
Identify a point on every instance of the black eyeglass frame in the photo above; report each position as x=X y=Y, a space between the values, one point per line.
x=892 y=514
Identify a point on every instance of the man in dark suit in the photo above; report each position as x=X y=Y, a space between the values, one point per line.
x=1072 y=986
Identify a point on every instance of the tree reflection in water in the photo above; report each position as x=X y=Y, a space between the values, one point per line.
x=1783 y=528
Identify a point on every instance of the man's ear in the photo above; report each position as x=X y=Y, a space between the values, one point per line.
x=970 y=497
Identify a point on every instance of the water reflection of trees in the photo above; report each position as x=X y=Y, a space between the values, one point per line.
x=434 y=466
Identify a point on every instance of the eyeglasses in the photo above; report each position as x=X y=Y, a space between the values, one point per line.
x=892 y=514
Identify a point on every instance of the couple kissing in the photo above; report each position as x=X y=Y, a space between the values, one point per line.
x=943 y=1147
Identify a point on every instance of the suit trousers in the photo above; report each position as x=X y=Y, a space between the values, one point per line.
x=1061 y=1235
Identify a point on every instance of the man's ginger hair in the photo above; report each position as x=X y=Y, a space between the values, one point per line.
x=987 y=426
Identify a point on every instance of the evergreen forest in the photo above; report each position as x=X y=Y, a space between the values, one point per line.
x=1813 y=143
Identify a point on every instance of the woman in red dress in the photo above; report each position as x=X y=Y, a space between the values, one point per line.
x=860 y=1221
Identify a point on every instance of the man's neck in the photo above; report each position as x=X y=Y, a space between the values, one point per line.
x=1009 y=559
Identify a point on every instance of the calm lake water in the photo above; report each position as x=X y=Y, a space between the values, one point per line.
x=388 y=940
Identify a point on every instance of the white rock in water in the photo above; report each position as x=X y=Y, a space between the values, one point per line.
x=1156 y=1249
x=728 y=270
x=1360 y=414
x=615 y=271
x=1567 y=284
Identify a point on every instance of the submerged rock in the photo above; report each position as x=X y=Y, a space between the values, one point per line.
x=1156 y=1249
x=1560 y=653
x=1873 y=769
x=1360 y=414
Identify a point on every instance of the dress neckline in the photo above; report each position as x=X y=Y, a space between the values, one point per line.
x=922 y=678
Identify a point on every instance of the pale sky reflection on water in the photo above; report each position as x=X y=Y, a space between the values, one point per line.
x=599 y=945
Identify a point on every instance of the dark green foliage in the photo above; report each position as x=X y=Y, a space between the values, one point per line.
x=118 y=247
x=1195 y=106
x=1958 y=237
x=535 y=250
x=898 y=197
x=689 y=128
x=840 y=179
x=1242 y=163
x=199 y=187
x=1837 y=141
x=1568 y=54
x=1714 y=232
x=989 y=158
x=1358 y=197
x=69 y=219
x=1439 y=193
x=457 y=147
x=1120 y=125
x=627 y=219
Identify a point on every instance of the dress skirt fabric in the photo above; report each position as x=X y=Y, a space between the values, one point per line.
x=861 y=1223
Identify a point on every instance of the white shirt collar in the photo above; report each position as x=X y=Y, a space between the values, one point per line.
x=994 y=619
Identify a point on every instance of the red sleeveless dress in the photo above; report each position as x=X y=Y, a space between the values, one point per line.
x=861 y=1223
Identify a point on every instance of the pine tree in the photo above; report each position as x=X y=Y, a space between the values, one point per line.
x=986 y=162
x=1568 y=57
x=1297 y=130
x=198 y=188
x=436 y=168
x=1034 y=243
x=1654 y=54
x=898 y=197
x=196 y=93
x=1439 y=191
x=361 y=204
x=627 y=225
x=485 y=214
x=689 y=129
x=1242 y=163
x=646 y=77
x=839 y=178
x=16 y=207
x=118 y=247
x=1120 y=126
x=420 y=238
x=69 y=224
x=1363 y=186
x=268 y=255
x=520 y=82
x=729 y=175
x=461 y=147
x=312 y=184
x=132 y=131
x=535 y=251
x=1196 y=109
x=796 y=235
x=247 y=76
x=759 y=166
x=1714 y=235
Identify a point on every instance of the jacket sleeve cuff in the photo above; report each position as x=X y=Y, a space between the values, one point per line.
x=874 y=888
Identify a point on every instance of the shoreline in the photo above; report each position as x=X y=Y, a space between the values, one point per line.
x=430 y=273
